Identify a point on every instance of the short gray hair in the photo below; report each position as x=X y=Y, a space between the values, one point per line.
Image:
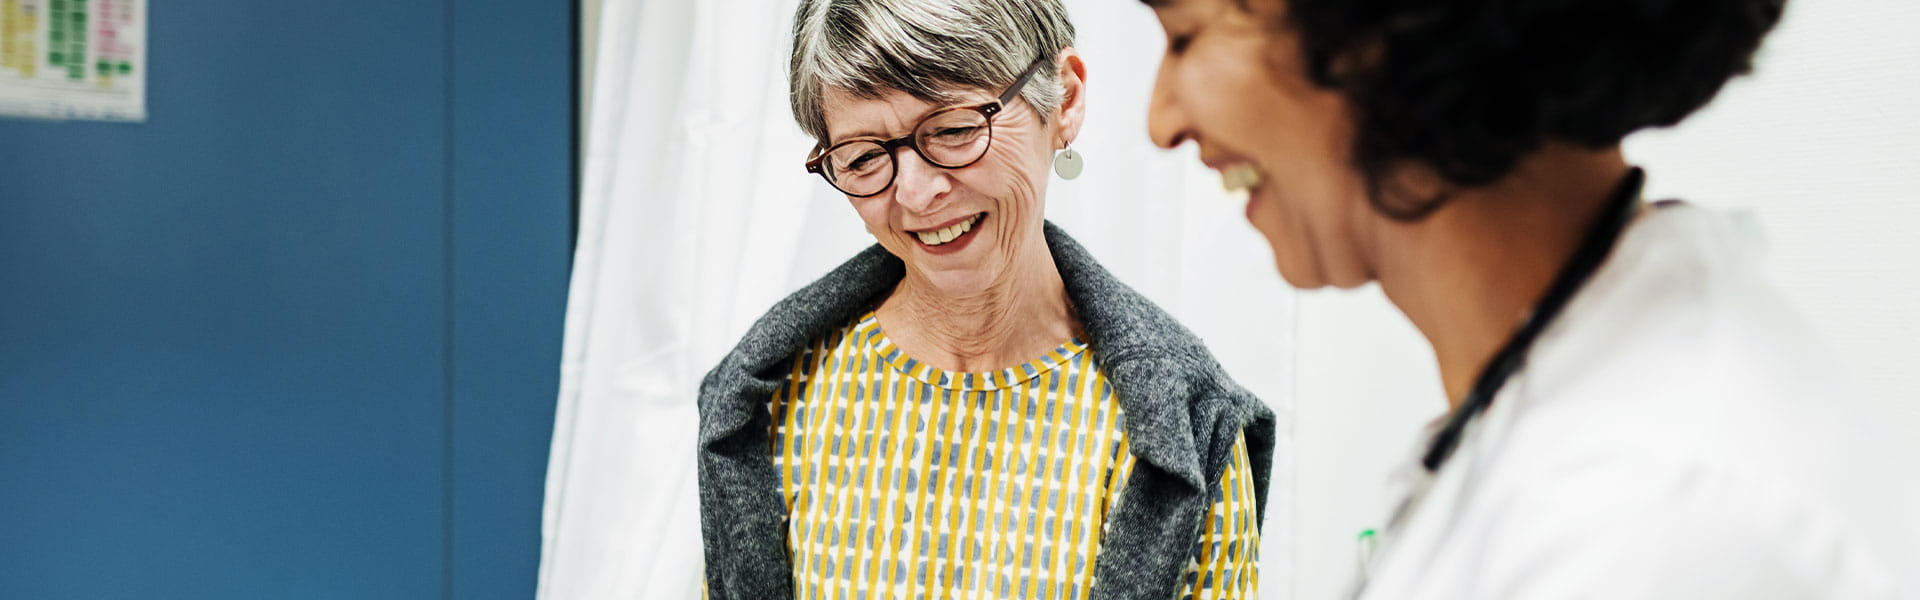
x=925 y=48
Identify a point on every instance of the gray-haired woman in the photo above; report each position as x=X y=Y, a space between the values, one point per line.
x=973 y=407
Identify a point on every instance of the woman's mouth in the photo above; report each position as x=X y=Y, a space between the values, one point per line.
x=943 y=236
x=1241 y=179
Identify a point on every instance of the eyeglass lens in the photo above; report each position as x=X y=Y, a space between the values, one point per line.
x=952 y=138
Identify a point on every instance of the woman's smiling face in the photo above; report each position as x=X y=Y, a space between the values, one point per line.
x=1234 y=83
x=961 y=230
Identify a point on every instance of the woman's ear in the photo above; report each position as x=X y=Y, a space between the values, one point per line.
x=1073 y=97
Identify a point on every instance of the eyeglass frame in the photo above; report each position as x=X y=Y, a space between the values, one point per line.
x=987 y=111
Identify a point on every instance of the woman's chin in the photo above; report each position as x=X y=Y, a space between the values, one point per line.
x=1297 y=279
x=1298 y=273
x=1305 y=275
x=957 y=282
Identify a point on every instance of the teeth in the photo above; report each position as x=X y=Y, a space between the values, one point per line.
x=942 y=236
x=1240 y=178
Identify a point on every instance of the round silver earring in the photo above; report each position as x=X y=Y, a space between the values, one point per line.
x=1068 y=164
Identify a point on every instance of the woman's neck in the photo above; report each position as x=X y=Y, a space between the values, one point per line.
x=1469 y=273
x=1020 y=315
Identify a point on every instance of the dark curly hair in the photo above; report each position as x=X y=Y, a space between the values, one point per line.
x=1470 y=87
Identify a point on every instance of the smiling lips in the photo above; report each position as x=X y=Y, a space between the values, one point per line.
x=947 y=234
x=1240 y=179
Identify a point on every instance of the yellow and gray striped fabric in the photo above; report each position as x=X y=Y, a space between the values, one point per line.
x=905 y=481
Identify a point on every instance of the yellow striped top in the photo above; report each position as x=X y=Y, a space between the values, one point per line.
x=905 y=481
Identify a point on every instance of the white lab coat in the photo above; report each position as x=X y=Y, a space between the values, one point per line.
x=1679 y=432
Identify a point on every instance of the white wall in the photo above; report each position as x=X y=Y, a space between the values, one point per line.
x=1823 y=142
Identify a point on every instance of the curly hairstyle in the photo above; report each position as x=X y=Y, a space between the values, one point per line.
x=1470 y=87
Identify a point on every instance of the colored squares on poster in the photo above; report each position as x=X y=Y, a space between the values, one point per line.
x=67 y=38
x=65 y=59
x=57 y=32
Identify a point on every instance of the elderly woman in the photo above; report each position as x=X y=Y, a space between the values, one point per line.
x=972 y=407
x=1636 y=411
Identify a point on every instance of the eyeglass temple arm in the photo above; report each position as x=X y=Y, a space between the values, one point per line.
x=1013 y=91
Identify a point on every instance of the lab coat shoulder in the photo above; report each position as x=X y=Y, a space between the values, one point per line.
x=1682 y=350
x=1685 y=435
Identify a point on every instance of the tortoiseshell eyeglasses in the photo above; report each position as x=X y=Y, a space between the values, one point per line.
x=950 y=138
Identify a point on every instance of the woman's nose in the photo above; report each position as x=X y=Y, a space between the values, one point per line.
x=1166 y=119
x=917 y=184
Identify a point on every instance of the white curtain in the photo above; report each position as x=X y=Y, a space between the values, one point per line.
x=696 y=216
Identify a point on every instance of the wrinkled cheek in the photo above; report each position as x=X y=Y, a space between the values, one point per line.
x=1026 y=179
x=1023 y=196
x=1022 y=209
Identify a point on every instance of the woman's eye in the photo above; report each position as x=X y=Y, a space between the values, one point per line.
x=863 y=161
x=1178 y=44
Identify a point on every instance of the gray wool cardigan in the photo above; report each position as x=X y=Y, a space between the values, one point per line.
x=1183 y=415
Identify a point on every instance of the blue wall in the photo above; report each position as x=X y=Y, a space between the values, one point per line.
x=297 y=335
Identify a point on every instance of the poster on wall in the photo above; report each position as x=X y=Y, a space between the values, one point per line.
x=73 y=59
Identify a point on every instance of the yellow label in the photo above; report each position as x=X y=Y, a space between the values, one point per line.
x=9 y=33
x=17 y=29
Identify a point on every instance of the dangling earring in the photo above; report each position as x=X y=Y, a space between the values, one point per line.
x=1068 y=163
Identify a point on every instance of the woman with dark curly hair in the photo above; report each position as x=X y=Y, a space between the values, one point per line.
x=1635 y=410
